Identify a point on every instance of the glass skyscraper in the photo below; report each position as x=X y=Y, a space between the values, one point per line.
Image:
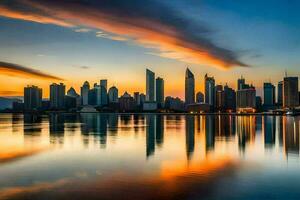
x=189 y=87
x=150 y=85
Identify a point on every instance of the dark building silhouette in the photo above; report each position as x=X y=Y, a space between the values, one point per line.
x=150 y=135
x=229 y=98
x=160 y=92
x=32 y=98
x=269 y=131
x=189 y=87
x=190 y=135
x=57 y=96
x=290 y=92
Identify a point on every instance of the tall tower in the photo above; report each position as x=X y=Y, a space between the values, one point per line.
x=160 y=95
x=189 y=87
x=209 y=83
x=290 y=92
x=57 y=96
x=150 y=84
x=85 y=93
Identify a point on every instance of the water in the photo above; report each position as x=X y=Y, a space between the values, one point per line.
x=108 y=156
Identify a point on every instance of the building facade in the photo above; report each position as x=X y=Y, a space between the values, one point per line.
x=290 y=92
x=269 y=94
x=84 y=92
x=32 y=98
x=57 y=96
x=209 y=84
x=150 y=85
x=160 y=94
x=189 y=87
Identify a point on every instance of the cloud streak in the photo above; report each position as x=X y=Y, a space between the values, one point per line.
x=149 y=23
x=12 y=69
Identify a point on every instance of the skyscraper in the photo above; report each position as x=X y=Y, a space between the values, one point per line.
x=85 y=93
x=269 y=94
x=209 y=83
x=57 y=96
x=32 y=98
x=240 y=83
x=160 y=94
x=220 y=98
x=103 y=82
x=199 y=97
x=189 y=87
x=290 y=92
x=150 y=82
x=137 y=99
x=246 y=99
x=280 y=93
x=230 y=98
x=113 y=94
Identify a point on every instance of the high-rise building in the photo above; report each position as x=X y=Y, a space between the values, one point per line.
x=230 y=98
x=32 y=98
x=209 y=83
x=85 y=93
x=199 y=97
x=280 y=93
x=150 y=85
x=113 y=94
x=189 y=87
x=137 y=99
x=220 y=98
x=72 y=93
x=94 y=96
x=103 y=83
x=269 y=94
x=104 y=96
x=160 y=94
x=240 y=83
x=290 y=92
x=142 y=98
x=126 y=103
x=57 y=96
x=246 y=99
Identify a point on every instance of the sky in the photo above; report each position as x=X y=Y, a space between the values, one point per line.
x=72 y=41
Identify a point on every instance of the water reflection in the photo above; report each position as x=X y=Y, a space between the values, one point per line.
x=143 y=156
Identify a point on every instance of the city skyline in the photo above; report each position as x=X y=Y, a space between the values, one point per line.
x=44 y=48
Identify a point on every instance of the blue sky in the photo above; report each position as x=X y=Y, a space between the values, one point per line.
x=264 y=35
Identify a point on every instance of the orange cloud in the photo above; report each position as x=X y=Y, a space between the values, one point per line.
x=152 y=25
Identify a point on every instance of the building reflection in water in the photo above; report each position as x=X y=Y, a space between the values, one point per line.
x=159 y=130
x=210 y=132
x=269 y=127
x=246 y=126
x=150 y=134
x=291 y=135
x=97 y=128
x=225 y=127
x=190 y=135
x=32 y=124
x=56 y=129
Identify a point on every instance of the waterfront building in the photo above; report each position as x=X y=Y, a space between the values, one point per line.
x=32 y=98
x=103 y=83
x=72 y=93
x=209 y=84
x=160 y=94
x=240 y=83
x=269 y=95
x=126 y=103
x=57 y=96
x=85 y=93
x=246 y=99
x=220 y=98
x=150 y=85
x=113 y=94
x=199 y=97
x=280 y=93
x=189 y=87
x=229 y=98
x=290 y=92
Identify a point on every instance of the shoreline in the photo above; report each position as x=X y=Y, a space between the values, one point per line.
x=154 y=113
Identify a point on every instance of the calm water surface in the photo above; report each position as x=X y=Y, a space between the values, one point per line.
x=108 y=156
